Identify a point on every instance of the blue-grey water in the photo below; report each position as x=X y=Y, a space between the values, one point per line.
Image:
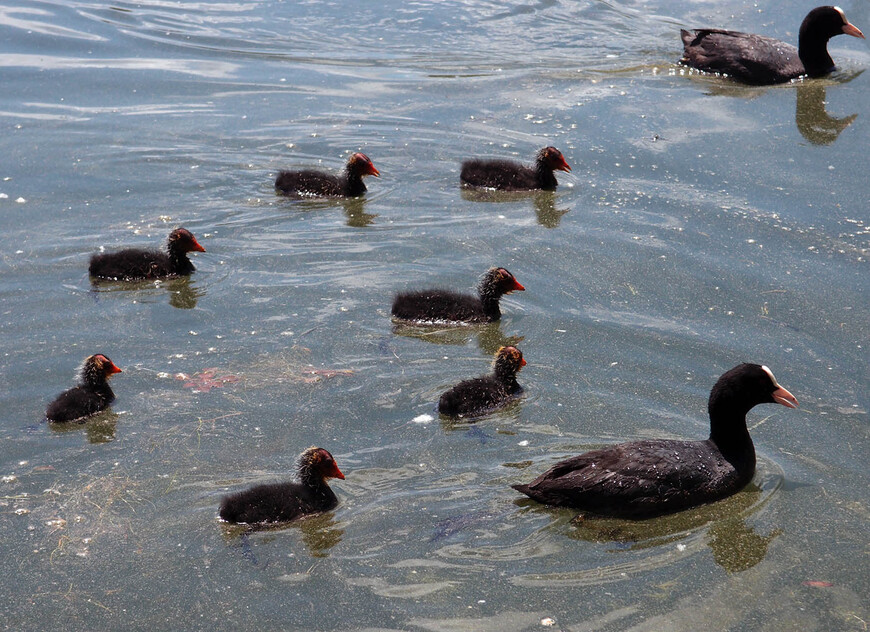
x=704 y=225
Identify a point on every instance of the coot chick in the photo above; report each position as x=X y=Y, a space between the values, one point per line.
x=507 y=175
x=319 y=183
x=281 y=502
x=759 y=60
x=642 y=479
x=136 y=264
x=483 y=394
x=445 y=306
x=92 y=395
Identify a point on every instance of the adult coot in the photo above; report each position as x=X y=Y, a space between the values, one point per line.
x=507 y=175
x=445 y=306
x=483 y=394
x=641 y=479
x=349 y=183
x=281 y=502
x=92 y=394
x=759 y=60
x=136 y=264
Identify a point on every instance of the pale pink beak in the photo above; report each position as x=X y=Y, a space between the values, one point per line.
x=782 y=396
x=851 y=29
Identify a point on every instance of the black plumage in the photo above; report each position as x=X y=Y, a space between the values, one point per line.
x=483 y=394
x=136 y=264
x=92 y=394
x=282 y=502
x=446 y=306
x=760 y=60
x=642 y=479
x=310 y=182
x=507 y=175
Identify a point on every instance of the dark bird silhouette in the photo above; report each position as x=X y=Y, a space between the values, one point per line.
x=310 y=182
x=445 y=306
x=488 y=392
x=282 y=502
x=760 y=60
x=136 y=264
x=507 y=175
x=642 y=479
x=92 y=395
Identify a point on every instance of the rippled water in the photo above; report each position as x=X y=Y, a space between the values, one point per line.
x=703 y=225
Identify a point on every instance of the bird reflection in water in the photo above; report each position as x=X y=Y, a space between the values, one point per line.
x=736 y=546
x=99 y=428
x=319 y=532
x=544 y=202
x=354 y=208
x=183 y=290
x=183 y=293
x=812 y=119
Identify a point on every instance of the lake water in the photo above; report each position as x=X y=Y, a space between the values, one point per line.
x=703 y=225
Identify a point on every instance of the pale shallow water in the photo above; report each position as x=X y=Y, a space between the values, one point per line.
x=703 y=225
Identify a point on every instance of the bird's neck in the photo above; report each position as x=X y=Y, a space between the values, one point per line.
x=545 y=176
x=729 y=432
x=813 y=52
x=490 y=307
x=179 y=261
x=312 y=479
x=353 y=184
x=507 y=377
x=100 y=386
x=489 y=298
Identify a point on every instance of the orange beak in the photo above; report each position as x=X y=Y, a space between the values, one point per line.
x=336 y=473
x=517 y=286
x=522 y=362
x=112 y=369
x=373 y=171
x=564 y=166
x=196 y=247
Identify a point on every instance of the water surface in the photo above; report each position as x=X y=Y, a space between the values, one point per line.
x=704 y=224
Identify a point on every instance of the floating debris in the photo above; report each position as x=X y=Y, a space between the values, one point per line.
x=208 y=379
x=292 y=365
x=315 y=375
x=815 y=583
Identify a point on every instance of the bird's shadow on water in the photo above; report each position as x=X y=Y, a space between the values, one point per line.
x=468 y=428
x=455 y=525
x=319 y=534
x=735 y=545
x=490 y=336
x=544 y=202
x=467 y=424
